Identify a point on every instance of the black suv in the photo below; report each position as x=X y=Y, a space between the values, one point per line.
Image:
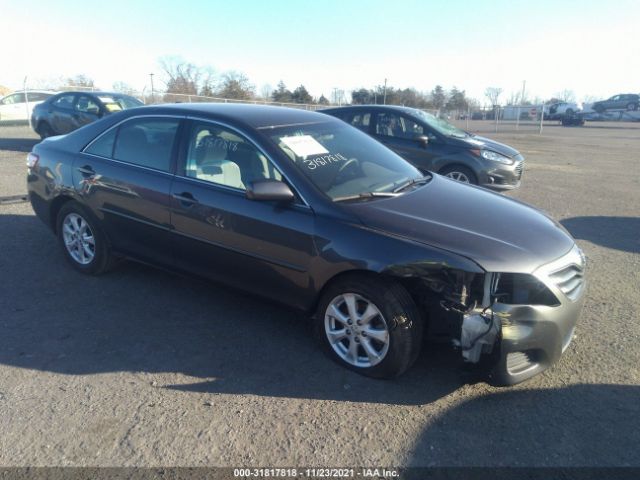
x=433 y=144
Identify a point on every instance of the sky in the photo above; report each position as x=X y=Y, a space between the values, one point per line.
x=591 y=47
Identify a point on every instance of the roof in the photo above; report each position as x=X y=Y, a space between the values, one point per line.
x=253 y=115
x=399 y=108
x=91 y=92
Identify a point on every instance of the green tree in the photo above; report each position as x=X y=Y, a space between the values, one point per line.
x=282 y=93
x=361 y=96
x=438 y=97
x=301 y=95
x=323 y=100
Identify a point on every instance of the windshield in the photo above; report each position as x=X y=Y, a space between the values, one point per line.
x=440 y=125
x=341 y=160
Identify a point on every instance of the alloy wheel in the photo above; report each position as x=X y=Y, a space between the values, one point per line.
x=78 y=239
x=356 y=330
x=459 y=176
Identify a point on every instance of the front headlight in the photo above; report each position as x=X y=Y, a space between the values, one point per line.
x=496 y=157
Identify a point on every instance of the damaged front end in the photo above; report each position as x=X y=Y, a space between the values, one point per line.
x=519 y=322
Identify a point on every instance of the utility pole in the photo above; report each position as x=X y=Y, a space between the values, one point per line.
x=153 y=99
x=384 y=98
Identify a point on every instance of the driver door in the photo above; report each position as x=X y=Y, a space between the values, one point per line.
x=398 y=132
x=86 y=110
x=260 y=246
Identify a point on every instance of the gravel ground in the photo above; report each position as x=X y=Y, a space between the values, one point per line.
x=142 y=367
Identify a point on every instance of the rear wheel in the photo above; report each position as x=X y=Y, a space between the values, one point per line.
x=460 y=173
x=83 y=241
x=369 y=325
x=45 y=130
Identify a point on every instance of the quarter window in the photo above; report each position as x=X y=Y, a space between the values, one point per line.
x=146 y=142
x=103 y=146
x=218 y=155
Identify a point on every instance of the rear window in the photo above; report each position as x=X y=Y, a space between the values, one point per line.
x=146 y=142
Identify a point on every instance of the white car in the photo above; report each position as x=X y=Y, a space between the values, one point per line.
x=18 y=106
x=557 y=110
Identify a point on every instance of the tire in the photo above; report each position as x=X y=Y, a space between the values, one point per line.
x=90 y=252
x=44 y=130
x=457 y=172
x=395 y=319
x=632 y=106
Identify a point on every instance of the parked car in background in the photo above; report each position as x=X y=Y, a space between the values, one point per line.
x=68 y=111
x=558 y=110
x=306 y=210
x=627 y=101
x=17 y=107
x=433 y=144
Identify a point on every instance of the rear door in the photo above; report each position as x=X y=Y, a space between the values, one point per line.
x=13 y=108
x=60 y=114
x=263 y=247
x=125 y=177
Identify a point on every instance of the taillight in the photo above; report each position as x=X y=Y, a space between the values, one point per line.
x=32 y=160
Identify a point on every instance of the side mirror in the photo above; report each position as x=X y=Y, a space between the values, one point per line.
x=422 y=140
x=269 y=190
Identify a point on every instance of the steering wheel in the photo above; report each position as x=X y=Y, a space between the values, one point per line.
x=352 y=162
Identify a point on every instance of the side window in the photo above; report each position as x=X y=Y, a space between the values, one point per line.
x=218 y=155
x=103 y=146
x=394 y=125
x=37 y=96
x=147 y=142
x=360 y=120
x=64 y=101
x=86 y=104
x=15 y=98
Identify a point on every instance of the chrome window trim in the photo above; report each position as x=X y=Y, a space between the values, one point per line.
x=254 y=144
x=155 y=170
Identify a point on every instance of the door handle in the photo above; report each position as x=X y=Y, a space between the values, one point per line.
x=87 y=170
x=185 y=198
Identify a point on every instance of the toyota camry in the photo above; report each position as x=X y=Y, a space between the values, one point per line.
x=304 y=209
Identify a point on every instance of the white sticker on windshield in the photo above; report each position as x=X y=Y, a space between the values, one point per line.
x=107 y=99
x=304 y=145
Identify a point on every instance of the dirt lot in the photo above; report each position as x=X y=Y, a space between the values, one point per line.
x=142 y=367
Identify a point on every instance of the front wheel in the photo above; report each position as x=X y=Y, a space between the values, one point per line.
x=84 y=244
x=460 y=173
x=370 y=325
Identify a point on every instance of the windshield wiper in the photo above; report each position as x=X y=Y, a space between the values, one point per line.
x=409 y=183
x=362 y=195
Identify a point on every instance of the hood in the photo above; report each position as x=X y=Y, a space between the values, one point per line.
x=475 y=141
x=497 y=232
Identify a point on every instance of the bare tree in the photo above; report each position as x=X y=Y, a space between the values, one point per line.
x=80 y=80
x=123 y=87
x=181 y=77
x=265 y=91
x=566 y=95
x=236 y=85
x=493 y=94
